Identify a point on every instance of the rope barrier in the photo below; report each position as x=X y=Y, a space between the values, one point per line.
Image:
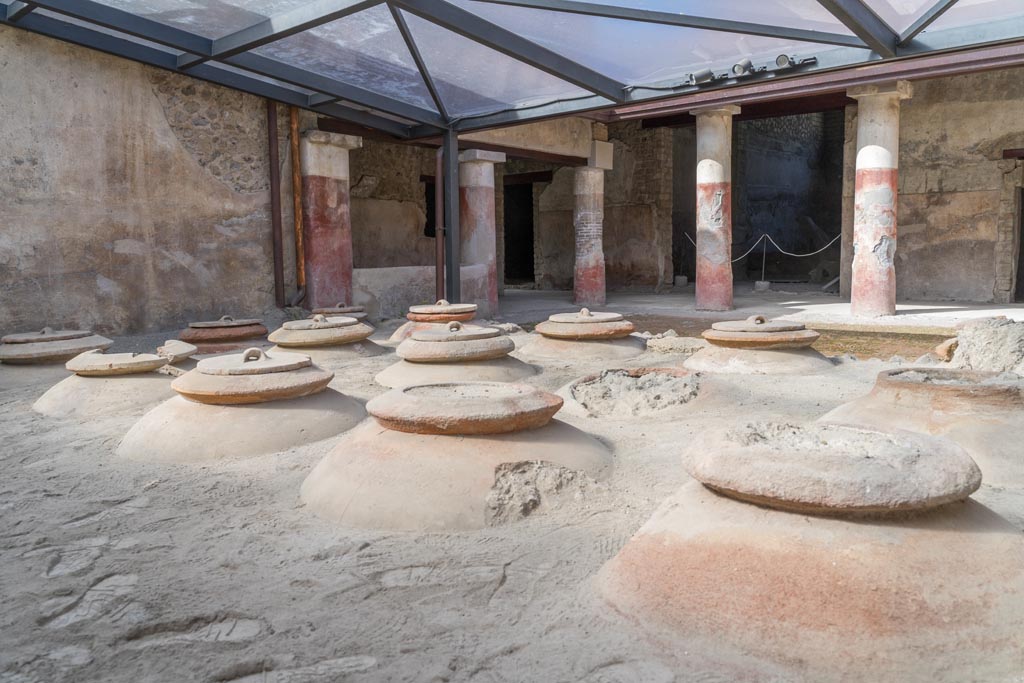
x=781 y=250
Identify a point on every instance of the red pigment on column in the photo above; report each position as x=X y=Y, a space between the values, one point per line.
x=873 y=290
x=714 y=247
x=479 y=237
x=588 y=223
x=327 y=231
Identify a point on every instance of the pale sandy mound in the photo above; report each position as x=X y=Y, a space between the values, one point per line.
x=995 y=345
x=624 y=393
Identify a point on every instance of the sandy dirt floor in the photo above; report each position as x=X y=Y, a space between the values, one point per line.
x=118 y=571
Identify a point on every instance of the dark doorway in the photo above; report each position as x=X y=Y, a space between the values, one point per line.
x=1019 y=296
x=519 y=234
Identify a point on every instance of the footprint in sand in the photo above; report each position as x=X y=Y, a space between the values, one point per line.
x=327 y=671
x=227 y=630
x=77 y=556
x=106 y=597
x=119 y=508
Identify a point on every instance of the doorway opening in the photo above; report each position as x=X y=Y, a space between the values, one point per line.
x=519 y=234
x=1019 y=289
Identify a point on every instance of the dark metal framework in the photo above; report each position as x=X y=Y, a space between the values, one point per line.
x=230 y=60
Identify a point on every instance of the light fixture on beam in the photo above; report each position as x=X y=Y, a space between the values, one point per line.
x=744 y=67
x=788 y=62
x=702 y=76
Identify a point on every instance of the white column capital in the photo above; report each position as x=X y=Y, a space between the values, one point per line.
x=481 y=155
x=601 y=155
x=326 y=154
x=902 y=90
x=721 y=110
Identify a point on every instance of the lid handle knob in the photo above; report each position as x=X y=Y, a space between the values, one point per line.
x=757 y=320
x=442 y=302
x=253 y=354
x=226 y=319
x=319 y=318
x=46 y=330
x=454 y=326
x=585 y=313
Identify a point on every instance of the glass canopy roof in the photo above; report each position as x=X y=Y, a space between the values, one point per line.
x=413 y=68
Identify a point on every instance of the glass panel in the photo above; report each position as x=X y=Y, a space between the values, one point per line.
x=106 y=31
x=473 y=79
x=803 y=14
x=208 y=19
x=364 y=49
x=967 y=12
x=637 y=52
x=900 y=14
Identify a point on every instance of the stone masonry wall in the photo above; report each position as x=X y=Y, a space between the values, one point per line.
x=637 y=214
x=133 y=199
x=958 y=211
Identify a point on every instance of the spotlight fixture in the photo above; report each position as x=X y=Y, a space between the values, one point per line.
x=744 y=67
x=785 y=61
x=702 y=76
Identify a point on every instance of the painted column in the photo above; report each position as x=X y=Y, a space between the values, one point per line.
x=479 y=239
x=714 y=208
x=873 y=286
x=588 y=287
x=327 y=217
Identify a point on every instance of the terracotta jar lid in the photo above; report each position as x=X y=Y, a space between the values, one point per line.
x=757 y=332
x=455 y=342
x=585 y=325
x=321 y=330
x=95 y=363
x=47 y=334
x=357 y=312
x=441 y=312
x=253 y=376
x=226 y=321
x=176 y=351
x=465 y=408
x=970 y=389
x=55 y=346
x=585 y=317
x=834 y=470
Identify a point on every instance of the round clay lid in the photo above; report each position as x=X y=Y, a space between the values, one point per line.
x=585 y=316
x=227 y=321
x=96 y=363
x=455 y=332
x=464 y=408
x=339 y=309
x=44 y=335
x=757 y=323
x=253 y=361
x=320 y=322
x=442 y=307
x=176 y=351
x=833 y=469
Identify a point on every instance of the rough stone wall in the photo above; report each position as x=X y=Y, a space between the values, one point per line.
x=637 y=214
x=389 y=205
x=958 y=209
x=133 y=199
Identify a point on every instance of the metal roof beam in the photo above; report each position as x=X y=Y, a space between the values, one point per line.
x=123 y=47
x=278 y=27
x=865 y=24
x=16 y=10
x=147 y=29
x=414 y=50
x=502 y=40
x=126 y=22
x=925 y=20
x=673 y=19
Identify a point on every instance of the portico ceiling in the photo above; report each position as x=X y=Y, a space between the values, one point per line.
x=415 y=68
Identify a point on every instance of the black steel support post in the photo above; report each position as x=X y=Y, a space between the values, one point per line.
x=452 y=251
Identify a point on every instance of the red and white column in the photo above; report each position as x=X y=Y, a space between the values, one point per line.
x=327 y=216
x=873 y=286
x=714 y=208
x=589 y=287
x=479 y=236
